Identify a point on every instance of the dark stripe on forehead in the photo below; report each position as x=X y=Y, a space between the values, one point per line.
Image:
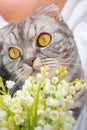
x=20 y=32
x=15 y=35
x=64 y=32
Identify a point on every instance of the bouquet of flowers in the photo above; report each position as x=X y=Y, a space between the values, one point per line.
x=40 y=105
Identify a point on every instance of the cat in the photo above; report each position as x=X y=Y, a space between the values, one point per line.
x=40 y=39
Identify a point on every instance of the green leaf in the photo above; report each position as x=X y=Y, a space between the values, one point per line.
x=2 y=87
x=1 y=83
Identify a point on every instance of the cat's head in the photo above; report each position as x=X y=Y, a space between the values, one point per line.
x=39 y=40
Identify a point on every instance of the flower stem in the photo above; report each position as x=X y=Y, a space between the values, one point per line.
x=29 y=125
x=36 y=104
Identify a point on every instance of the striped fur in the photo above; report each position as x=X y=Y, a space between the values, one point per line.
x=62 y=50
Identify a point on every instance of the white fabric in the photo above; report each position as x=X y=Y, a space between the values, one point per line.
x=2 y=22
x=75 y=15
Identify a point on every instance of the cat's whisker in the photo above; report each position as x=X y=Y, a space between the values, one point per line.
x=20 y=79
x=16 y=87
x=16 y=72
x=69 y=64
x=48 y=59
x=25 y=73
x=70 y=60
x=6 y=64
x=15 y=69
x=61 y=63
x=49 y=63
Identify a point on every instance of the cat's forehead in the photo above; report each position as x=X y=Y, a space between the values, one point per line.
x=45 y=23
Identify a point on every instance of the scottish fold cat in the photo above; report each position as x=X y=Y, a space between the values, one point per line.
x=38 y=40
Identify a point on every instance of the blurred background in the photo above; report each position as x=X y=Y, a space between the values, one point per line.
x=12 y=10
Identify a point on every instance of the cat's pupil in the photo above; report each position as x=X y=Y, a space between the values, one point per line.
x=44 y=40
x=14 y=53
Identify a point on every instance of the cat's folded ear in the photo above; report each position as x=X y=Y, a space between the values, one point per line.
x=51 y=10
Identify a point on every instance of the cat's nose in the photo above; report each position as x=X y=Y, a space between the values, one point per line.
x=30 y=61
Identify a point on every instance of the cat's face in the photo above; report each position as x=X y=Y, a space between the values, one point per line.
x=39 y=40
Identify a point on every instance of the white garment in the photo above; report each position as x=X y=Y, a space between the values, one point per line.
x=75 y=15
x=2 y=22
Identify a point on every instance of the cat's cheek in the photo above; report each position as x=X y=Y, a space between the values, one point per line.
x=5 y=60
x=10 y=64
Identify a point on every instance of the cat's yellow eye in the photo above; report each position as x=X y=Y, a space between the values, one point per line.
x=44 y=40
x=14 y=53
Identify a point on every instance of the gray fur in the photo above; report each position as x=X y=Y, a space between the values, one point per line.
x=62 y=50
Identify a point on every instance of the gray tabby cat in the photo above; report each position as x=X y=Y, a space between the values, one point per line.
x=39 y=40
